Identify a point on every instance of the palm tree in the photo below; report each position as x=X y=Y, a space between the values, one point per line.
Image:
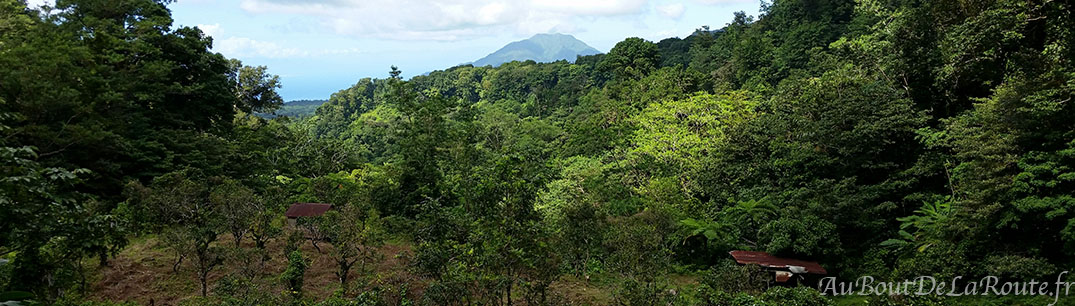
x=750 y=215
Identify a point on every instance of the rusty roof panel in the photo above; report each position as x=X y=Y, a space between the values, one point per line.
x=307 y=209
x=765 y=260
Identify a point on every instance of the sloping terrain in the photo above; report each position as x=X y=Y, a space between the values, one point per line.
x=542 y=48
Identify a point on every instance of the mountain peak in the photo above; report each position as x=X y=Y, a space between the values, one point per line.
x=545 y=48
x=558 y=35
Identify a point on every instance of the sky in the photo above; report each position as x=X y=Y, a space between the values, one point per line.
x=318 y=47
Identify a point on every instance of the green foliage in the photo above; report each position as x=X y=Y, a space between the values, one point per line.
x=255 y=88
x=15 y=298
x=192 y=216
x=680 y=134
x=266 y=221
x=804 y=236
x=111 y=90
x=589 y=181
x=928 y=300
x=298 y=109
x=48 y=227
x=345 y=106
x=355 y=235
x=930 y=219
x=231 y=290
x=639 y=249
x=118 y=93
x=575 y=208
x=891 y=138
x=729 y=276
x=238 y=205
x=798 y=296
x=716 y=234
x=633 y=292
x=294 y=274
x=632 y=58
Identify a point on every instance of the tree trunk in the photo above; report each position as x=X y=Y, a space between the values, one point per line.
x=205 y=283
x=342 y=273
x=344 y=278
x=82 y=276
x=259 y=243
x=510 y=283
x=103 y=256
x=178 y=261
x=238 y=238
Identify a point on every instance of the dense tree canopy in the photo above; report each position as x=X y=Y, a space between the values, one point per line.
x=885 y=138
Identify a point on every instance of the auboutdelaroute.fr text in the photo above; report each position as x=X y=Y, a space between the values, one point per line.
x=928 y=285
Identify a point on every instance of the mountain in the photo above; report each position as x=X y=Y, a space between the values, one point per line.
x=296 y=109
x=305 y=103
x=540 y=48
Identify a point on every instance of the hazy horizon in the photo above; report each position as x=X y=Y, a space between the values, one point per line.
x=319 y=47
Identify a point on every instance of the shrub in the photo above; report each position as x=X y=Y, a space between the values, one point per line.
x=634 y=292
x=708 y=296
x=233 y=290
x=782 y=296
x=729 y=276
x=293 y=275
x=797 y=296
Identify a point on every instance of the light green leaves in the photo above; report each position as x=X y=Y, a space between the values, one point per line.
x=682 y=134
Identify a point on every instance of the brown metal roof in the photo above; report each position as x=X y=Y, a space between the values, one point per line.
x=765 y=260
x=307 y=209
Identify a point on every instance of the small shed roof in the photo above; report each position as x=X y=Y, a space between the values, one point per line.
x=765 y=260
x=307 y=210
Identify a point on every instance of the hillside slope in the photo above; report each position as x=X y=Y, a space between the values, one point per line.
x=542 y=48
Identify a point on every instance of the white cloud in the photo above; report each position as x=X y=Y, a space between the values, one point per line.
x=446 y=19
x=590 y=7
x=210 y=29
x=242 y=47
x=39 y=3
x=724 y=1
x=673 y=11
x=246 y=47
x=658 y=35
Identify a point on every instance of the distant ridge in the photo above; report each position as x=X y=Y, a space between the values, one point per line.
x=540 y=48
x=305 y=102
x=295 y=109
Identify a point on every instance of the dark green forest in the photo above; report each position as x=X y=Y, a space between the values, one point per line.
x=889 y=138
x=295 y=109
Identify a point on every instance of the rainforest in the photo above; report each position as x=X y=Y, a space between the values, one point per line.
x=893 y=139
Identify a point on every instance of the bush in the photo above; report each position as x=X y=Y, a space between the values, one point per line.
x=729 y=276
x=232 y=290
x=294 y=274
x=782 y=296
x=907 y=300
x=942 y=260
x=400 y=227
x=295 y=238
x=1019 y=267
x=712 y=297
x=65 y=302
x=362 y=300
x=797 y=296
x=634 y=292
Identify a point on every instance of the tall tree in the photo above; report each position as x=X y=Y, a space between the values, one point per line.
x=238 y=206
x=255 y=88
x=183 y=205
x=355 y=235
